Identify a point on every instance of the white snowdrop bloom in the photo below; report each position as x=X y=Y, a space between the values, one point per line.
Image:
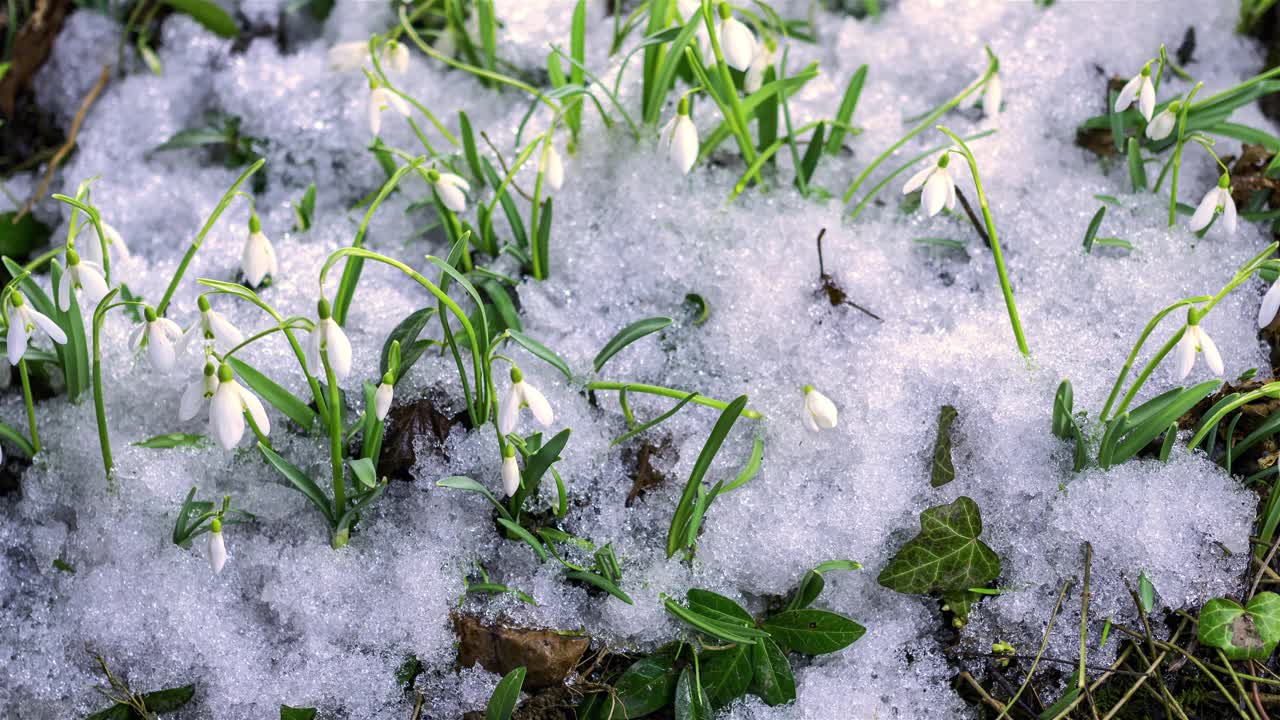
x=227 y=408
x=23 y=321
x=819 y=412
x=737 y=43
x=1139 y=89
x=552 y=168
x=212 y=328
x=397 y=54
x=258 y=258
x=522 y=394
x=217 y=546
x=159 y=336
x=451 y=189
x=198 y=392
x=327 y=340
x=759 y=63
x=383 y=396
x=81 y=275
x=680 y=139
x=993 y=95
x=1270 y=305
x=348 y=55
x=939 y=186
x=1217 y=200
x=380 y=98
x=1164 y=123
x=510 y=471
x=1196 y=340
x=90 y=246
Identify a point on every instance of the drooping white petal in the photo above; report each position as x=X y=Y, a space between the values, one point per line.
x=1185 y=354
x=1211 y=355
x=755 y=73
x=311 y=350
x=16 y=338
x=821 y=408
x=399 y=58
x=217 y=552
x=1161 y=125
x=226 y=415
x=452 y=197
x=92 y=283
x=681 y=140
x=993 y=95
x=258 y=259
x=192 y=399
x=1270 y=305
x=382 y=401
x=1228 y=209
x=538 y=404
x=1204 y=211
x=951 y=190
x=45 y=323
x=509 y=410
x=1147 y=98
x=917 y=181
x=250 y=402
x=337 y=348
x=935 y=192
x=510 y=476
x=1128 y=93
x=64 y=291
x=226 y=334
x=348 y=55
x=399 y=104
x=810 y=423
x=553 y=169
x=161 y=352
x=737 y=43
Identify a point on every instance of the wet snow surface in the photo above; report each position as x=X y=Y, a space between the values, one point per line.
x=291 y=621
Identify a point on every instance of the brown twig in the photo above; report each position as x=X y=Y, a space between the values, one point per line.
x=66 y=148
x=505 y=169
x=982 y=693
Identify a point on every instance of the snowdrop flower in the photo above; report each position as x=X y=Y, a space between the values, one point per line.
x=23 y=321
x=1161 y=125
x=380 y=98
x=552 y=168
x=760 y=63
x=328 y=341
x=227 y=408
x=1217 y=200
x=198 y=392
x=1196 y=340
x=348 y=55
x=993 y=95
x=510 y=471
x=258 y=258
x=91 y=249
x=680 y=139
x=451 y=189
x=939 y=186
x=80 y=275
x=397 y=54
x=383 y=397
x=522 y=394
x=1141 y=90
x=737 y=44
x=160 y=337
x=1270 y=305
x=819 y=412
x=212 y=328
x=217 y=548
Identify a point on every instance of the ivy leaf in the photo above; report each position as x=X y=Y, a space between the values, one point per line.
x=1242 y=633
x=946 y=557
x=725 y=674
x=813 y=632
x=944 y=471
x=647 y=686
x=771 y=677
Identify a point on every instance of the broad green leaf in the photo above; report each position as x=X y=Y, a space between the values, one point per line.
x=725 y=674
x=17 y=240
x=173 y=440
x=813 y=632
x=406 y=333
x=729 y=632
x=115 y=712
x=718 y=607
x=691 y=700
x=645 y=687
x=209 y=14
x=1062 y=409
x=293 y=713
x=304 y=484
x=1242 y=633
x=944 y=470
x=771 y=678
x=628 y=335
x=169 y=699
x=946 y=557
x=283 y=400
x=1146 y=592
x=364 y=470
x=505 y=696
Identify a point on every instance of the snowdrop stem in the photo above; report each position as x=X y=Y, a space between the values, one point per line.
x=1177 y=154
x=99 y=404
x=667 y=393
x=335 y=438
x=30 y=403
x=612 y=95
x=516 y=164
x=385 y=82
x=875 y=190
x=204 y=231
x=1133 y=356
x=943 y=109
x=996 y=254
x=729 y=106
x=1208 y=424
x=94 y=217
x=539 y=272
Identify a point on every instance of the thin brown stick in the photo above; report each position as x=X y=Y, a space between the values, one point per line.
x=982 y=693
x=1044 y=643
x=1266 y=565
x=66 y=148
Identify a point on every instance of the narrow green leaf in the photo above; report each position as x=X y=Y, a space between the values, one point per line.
x=628 y=335
x=601 y=582
x=685 y=508
x=729 y=632
x=1137 y=172
x=300 y=480
x=173 y=440
x=844 y=116
x=542 y=352
x=460 y=482
x=1092 y=231
x=525 y=535
x=718 y=607
x=209 y=14
x=505 y=696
